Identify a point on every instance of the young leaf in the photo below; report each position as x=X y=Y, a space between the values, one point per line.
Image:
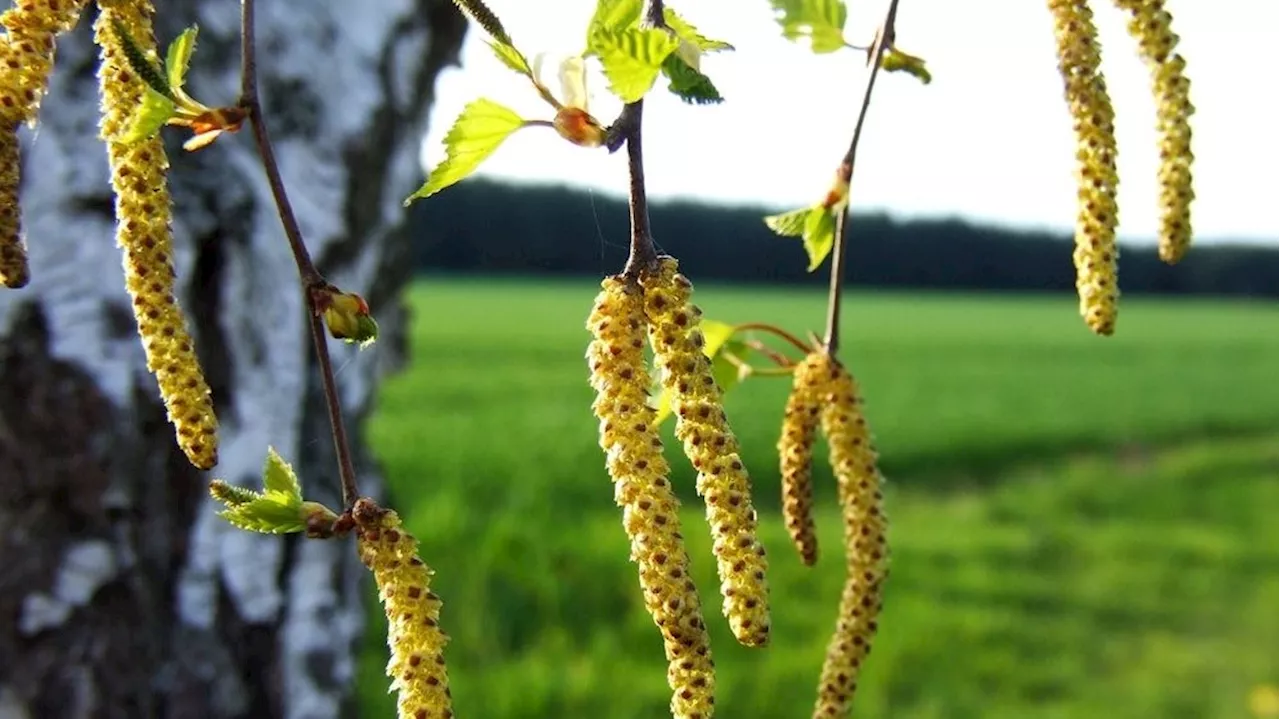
x=632 y=58
x=267 y=514
x=819 y=235
x=689 y=33
x=478 y=131
x=894 y=60
x=821 y=20
x=689 y=84
x=178 y=58
x=278 y=478
x=614 y=16
x=142 y=62
x=511 y=57
x=155 y=111
x=788 y=224
x=230 y=494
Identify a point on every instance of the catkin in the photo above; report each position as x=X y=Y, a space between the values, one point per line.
x=1095 y=255
x=144 y=234
x=629 y=437
x=417 y=667
x=698 y=405
x=1151 y=25
x=853 y=461
x=795 y=454
x=27 y=52
x=14 y=271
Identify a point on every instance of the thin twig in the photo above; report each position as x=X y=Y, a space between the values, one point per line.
x=311 y=278
x=778 y=358
x=884 y=40
x=643 y=256
x=764 y=327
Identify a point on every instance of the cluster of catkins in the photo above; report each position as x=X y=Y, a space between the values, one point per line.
x=138 y=176
x=657 y=303
x=1079 y=63
x=825 y=395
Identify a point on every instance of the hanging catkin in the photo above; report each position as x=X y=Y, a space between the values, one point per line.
x=709 y=443
x=143 y=231
x=651 y=517
x=1095 y=255
x=795 y=454
x=853 y=461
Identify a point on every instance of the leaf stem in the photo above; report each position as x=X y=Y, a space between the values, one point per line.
x=643 y=255
x=311 y=279
x=884 y=40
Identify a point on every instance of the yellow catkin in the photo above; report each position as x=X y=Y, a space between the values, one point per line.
x=144 y=233
x=795 y=454
x=709 y=443
x=853 y=461
x=1095 y=256
x=417 y=667
x=629 y=437
x=27 y=50
x=1151 y=24
x=14 y=272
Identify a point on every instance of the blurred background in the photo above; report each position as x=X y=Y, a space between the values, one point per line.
x=1080 y=527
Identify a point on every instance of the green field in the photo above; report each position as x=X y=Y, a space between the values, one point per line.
x=1080 y=527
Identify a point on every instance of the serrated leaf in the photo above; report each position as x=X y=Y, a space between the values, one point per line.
x=894 y=60
x=478 y=131
x=822 y=21
x=689 y=84
x=789 y=224
x=689 y=33
x=278 y=477
x=511 y=57
x=632 y=58
x=614 y=16
x=144 y=63
x=268 y=514
x=151 y=115
x=819 y=235
x=715 y=336
x=230 y=494
x=178 y=59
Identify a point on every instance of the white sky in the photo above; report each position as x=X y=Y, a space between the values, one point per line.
x=990 y=139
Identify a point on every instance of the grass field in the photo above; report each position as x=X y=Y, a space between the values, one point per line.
x=1080 y=527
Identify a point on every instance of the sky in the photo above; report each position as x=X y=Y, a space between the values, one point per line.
x=989 y=139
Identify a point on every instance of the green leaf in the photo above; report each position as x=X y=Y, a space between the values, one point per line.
x=788 y=224
x=478 y=131
x=690 y=34
x=687 y=83
x=230 y=494
x=268 y=513
x=819 y=235
x=895 y=60
x=179 y=57
x=715 y=336
x=632 y=58
x=511 y=57
x=822 y=21
x=155 y=111
x=278 y=478
x=485 y=18
x=614 y=16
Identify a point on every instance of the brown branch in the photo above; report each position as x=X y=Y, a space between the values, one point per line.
x=884 y=40
x=643 y=255
x=765 y=327
x=312 y=280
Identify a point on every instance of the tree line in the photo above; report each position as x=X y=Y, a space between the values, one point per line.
x=489 y=227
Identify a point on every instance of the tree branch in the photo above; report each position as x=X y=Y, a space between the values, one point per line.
x=884 y=40
x=644 y=254
x=312 y=281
